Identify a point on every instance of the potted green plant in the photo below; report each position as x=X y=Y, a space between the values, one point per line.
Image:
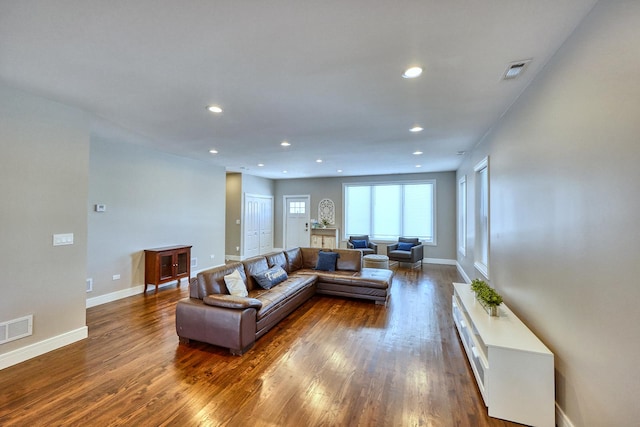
x=488 y=297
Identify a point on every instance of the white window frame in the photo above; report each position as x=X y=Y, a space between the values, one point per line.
x=482 y=217
x=462 y=215
x=434 y=220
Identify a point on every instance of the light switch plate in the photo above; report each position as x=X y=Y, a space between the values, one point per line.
x=63 y=239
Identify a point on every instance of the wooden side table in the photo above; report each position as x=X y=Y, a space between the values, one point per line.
x=166 y=264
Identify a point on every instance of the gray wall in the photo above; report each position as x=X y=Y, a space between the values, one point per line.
x=153 y=199
x=44 y=168
x=331 y=188
x=564 y=214
x=239 y=184
x=256 y=185
x=233 y=235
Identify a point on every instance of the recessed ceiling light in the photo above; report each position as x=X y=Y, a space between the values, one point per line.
x=260 y=165
x=213 y=151
x=417 y=153
x=319 y=161
x=284 y=171
x=339 y=171
x=285 y=144
x=214 y=108
x=460 y=153
x=418 y=166
x=416 y=129
x=412 y=73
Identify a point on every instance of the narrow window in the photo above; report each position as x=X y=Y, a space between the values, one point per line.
x=462 y=215
x=482 y=217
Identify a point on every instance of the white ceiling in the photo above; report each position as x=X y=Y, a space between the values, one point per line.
x=323 y=75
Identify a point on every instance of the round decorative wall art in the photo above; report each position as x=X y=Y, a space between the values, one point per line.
x=326 y=212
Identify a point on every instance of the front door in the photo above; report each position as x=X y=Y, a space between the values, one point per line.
x=296 y=220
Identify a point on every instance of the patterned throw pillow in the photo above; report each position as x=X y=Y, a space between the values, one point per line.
x=404 y=246
x=269 y=278
x=327 y=261
x=359 y=244
x=235 y=284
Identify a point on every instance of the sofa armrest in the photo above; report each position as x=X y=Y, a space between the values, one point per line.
x=373 y=246
x=392 y=247
x=234 y=329
x=350 y=245
x=417 y=251
x=231 y=301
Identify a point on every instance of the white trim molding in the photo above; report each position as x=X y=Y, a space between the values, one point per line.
x=442 y=261
x=134 y=290
x=561 y=418
x=45 y=346
x=463 y=273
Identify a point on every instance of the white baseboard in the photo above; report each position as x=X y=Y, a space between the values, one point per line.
x=561 y=418
x=442 y=261
x=34 y=350
x=462 y=273
x=135 y=290
x=114 y=296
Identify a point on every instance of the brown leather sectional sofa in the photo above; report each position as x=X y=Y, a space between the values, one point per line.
x=213 y=316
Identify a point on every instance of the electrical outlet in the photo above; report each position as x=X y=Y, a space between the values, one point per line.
x=212 y=256
x=116 y=277
x=89 y=285
x=237 y=248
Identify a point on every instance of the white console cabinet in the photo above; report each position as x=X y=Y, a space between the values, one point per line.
x=513 y=368
x=325 y=238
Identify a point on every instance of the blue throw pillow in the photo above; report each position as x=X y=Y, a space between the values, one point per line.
x=269 y=278
x=359 y=244
x=405 y=246
x=327 y=261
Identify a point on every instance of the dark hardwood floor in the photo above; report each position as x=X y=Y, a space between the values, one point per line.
x=333 y=362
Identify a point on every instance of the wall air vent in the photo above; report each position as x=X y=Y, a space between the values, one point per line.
x=16 y=328
x=515 y=69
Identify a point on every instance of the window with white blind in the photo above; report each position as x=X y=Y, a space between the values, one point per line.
x=462 y=215
x=386 y=211
x=482 y=217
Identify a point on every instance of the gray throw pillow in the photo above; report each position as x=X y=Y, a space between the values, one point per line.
x=269 y=278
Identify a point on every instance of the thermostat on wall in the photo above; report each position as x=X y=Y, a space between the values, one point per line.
x=100 y=208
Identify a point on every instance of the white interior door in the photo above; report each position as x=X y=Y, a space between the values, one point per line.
x=266 y=225
x=251 y=226
x=258 y=229
x=296 y=221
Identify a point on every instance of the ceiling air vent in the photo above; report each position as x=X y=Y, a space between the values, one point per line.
x=515 y=69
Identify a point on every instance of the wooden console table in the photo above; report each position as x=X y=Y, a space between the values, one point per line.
x=166 y=264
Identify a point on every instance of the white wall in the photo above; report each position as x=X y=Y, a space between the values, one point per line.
x=153 y=199
x=564 y=166
x=44 y=169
